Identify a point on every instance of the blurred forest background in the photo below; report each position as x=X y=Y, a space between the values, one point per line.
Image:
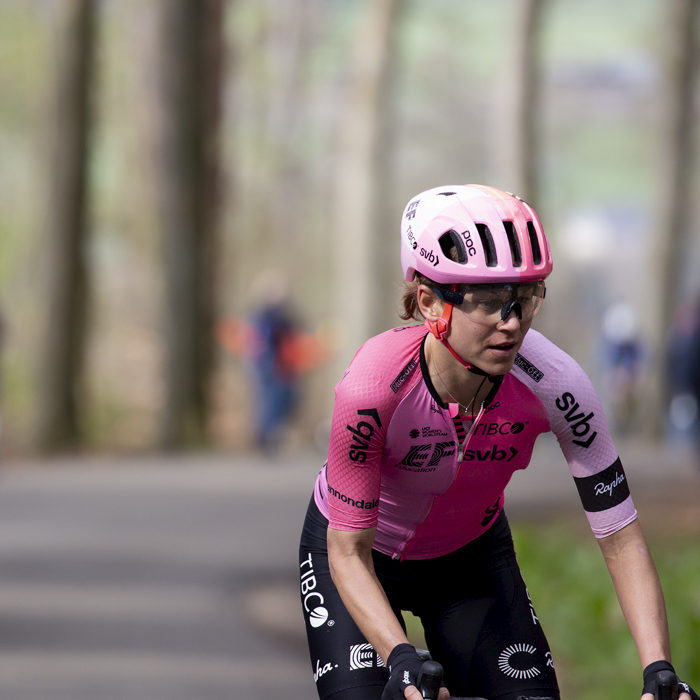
x=157 y=156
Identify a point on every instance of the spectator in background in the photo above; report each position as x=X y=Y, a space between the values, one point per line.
x=278 y=352
x=273 y=328
x=622 y=365
x=684 y=371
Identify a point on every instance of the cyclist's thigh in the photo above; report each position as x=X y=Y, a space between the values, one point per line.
x=493 y=646
x=345 y=666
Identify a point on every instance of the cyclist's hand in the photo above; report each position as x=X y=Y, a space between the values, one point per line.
x=404 y=667
x=412 y=693
x=685 y=692
x=650 y=696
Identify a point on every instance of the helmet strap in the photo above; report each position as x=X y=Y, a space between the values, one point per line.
x=439 y=330
x=440 y=327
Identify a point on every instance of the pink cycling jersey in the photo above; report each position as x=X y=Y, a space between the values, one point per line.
x=401 y=460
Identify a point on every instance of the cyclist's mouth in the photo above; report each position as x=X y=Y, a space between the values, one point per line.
x=503 y=349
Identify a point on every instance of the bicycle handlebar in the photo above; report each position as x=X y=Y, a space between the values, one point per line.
x=430 y=679
x=666 y=686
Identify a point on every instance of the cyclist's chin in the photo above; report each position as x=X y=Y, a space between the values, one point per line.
x=497 y=361
x=497 y=368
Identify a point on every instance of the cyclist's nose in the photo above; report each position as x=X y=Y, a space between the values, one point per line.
x=511 y=321
x=511 y=307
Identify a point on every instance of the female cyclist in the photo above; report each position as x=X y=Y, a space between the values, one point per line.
x=429 y=426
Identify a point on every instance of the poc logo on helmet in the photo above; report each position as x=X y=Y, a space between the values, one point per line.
x=469 y=243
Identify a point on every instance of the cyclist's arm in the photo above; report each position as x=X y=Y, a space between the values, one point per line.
x=638 y=589
x=352 y=569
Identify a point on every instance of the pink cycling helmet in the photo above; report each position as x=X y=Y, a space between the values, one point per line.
x=498 y=237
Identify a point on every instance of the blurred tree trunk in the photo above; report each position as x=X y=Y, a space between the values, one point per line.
x=520 y=148
x=64 y=345
x=357 y=188
x=674 y=182
x=190 y=70
x=385 y=264
x=291 y=32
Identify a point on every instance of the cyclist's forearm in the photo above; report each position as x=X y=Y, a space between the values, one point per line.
x=638 y=589
x=350 y=560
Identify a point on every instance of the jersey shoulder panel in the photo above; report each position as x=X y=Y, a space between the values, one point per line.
x=573 y=405
x=386 y=361
x=381 y=374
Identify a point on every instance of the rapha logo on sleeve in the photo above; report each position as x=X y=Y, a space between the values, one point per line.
x=603 y=490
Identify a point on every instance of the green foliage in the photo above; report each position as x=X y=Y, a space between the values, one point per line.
x=577 y=607
x=679 y=569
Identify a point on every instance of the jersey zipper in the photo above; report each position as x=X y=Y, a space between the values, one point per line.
x=461 y=447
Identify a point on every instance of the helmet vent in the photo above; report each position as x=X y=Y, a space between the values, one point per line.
x=446 y=194
x=536 y=252
x=488 y=245
x=514 y=243
x=453 y=247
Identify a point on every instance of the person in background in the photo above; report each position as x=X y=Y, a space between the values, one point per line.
x=272 y=328
x=621 y=349
x=684 y=373
x=277 y=351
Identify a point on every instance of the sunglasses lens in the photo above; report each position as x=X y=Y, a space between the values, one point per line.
x=485 y=303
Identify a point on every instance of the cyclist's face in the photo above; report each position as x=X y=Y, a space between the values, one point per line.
x=480 y=335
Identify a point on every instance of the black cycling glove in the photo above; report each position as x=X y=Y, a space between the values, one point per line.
x=650 y=679
x=404 y=667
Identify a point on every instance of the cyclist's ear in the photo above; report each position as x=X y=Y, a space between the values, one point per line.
x=429 y=304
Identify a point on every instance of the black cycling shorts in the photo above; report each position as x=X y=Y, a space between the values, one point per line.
x=476 y=612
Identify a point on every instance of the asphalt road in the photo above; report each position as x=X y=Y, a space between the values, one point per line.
x=173 y=578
